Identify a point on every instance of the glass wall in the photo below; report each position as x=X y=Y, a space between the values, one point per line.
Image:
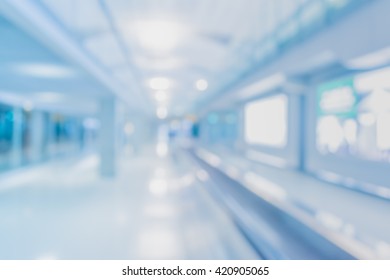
x=220 y=127
x=6 y=133
x=64 y=134
x=354 y=117
x=30 y=136
x=348 y=130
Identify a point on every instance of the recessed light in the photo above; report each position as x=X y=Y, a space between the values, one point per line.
x=49 y=97
x=202 y=85
x=28 y=106
x=158 y=35
x=162 y=113
x=160 y=83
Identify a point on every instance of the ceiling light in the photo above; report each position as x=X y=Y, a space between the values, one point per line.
x=49 y=97
x=162 y=113
x=263 y=86
x=379 y=79
x=44 y=70
x=159 y=83
x=157 y=35
x=161 y=96
x=372 y=60
x=28 y=106
x=202 y=85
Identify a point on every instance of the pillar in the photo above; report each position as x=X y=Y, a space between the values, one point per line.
x=107 y=137
x=17 y=138
x=37 y=135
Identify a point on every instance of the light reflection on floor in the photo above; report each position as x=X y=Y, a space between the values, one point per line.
x=154 y=209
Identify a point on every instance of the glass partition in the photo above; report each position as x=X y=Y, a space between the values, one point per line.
x=6 y=127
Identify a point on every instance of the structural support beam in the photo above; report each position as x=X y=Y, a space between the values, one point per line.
x=107 y=138
x=37 y=135
x=17 y=138
x=34 y=18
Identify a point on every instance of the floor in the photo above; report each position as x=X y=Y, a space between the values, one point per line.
x=165 y=207
x=155 y=208
x=356 y=216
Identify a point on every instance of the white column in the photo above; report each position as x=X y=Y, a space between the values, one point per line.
x=107 y=137
x=37 y=135
x=17 y=138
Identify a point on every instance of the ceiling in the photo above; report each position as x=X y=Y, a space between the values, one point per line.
x=181 y=40
x=34 y=77
x=175 y=54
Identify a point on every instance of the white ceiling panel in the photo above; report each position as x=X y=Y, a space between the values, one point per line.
x=84 y=17
x=183 y=40
x=106 y=49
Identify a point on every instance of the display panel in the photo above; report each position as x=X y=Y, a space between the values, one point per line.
x=354 y=116
x=266 y=121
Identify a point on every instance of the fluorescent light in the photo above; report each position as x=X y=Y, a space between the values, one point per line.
x=379 y=79
x=44 y=70
x=28 y=106
x=162 y=113
x=202 y=85
x=156 y=35
x=49 y=97
x=160 y=83
x=161 y=96
x=263 y=86
x=372 y=60
x=162 y=149
x=158 y=187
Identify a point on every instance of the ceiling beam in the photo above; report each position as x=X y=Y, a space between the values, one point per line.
x=34 y=18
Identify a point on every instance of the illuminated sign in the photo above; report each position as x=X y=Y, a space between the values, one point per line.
x=337 y=98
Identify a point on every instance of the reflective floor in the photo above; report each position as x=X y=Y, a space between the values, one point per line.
x=184 y=204
x=353 y=218
x=154 y=209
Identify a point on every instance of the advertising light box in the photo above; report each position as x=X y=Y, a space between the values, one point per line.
x=266 y=121
x=354 y=116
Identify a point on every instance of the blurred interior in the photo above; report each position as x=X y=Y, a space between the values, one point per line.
x=183 y=129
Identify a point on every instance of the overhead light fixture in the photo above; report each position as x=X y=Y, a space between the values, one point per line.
x=44 y=70
x=372 y=60
x=158 y=35
x=49 y=97
x=263 y=86
x=28 y=106
x=202 y=85
x=160 y=83
x=162 y=113
x=378 y=79
x=161 y=96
